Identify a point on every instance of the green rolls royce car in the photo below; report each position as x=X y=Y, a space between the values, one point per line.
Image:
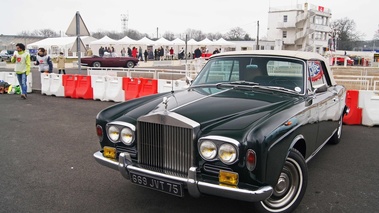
x=244 y=129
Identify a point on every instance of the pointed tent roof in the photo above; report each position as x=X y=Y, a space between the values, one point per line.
x=205 y=42
x=192 y=42
x=60 y=41
x=145 y=41
x=178 y=41
x=105 y=40
x=126 y=40
x=163 y=41
x=223 y=42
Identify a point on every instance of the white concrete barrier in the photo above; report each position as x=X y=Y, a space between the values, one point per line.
x=11 y=78
x=99 y=85
x=45 y=84
x=369 y=102
x=2 y=76
x=165 y=85
x=56 y=85
x=114 y=91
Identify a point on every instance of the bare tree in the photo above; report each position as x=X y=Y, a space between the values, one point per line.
x=236 y=34
x=48 y=33
x=214 y=36
x=169 y=35
x=346 y=32
x=198 y=35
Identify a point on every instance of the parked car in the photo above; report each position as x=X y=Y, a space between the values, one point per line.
x=109 y=61
x=244 y=129
x=341 y=61
x=6 y=55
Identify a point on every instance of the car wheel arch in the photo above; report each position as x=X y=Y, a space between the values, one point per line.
x=273 y=168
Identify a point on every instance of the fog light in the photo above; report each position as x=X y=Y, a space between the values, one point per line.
x=227 y=177
x=109 y=152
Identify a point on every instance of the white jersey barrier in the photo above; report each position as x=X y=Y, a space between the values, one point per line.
x=114 y=91
x=11 y=78
x=56 y=85
x=369 y=102
x=99 y=86
x=2 y=76
x=45 y=84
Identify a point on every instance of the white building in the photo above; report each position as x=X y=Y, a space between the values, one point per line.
x=301 y=27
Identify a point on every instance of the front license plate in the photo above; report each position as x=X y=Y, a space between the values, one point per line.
x=157 y=184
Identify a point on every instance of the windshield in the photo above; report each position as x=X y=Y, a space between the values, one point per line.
x=277 y=72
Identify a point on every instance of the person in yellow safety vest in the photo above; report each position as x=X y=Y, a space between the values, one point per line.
x=22 y=67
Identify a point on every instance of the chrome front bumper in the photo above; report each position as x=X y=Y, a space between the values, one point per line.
x=195 y=188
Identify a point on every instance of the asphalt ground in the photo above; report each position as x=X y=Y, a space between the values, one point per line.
x=46 y=165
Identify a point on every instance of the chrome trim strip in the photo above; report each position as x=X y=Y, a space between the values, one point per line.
x=121 y=123
x=319 y=148
x=195 y=187
x=221 y=138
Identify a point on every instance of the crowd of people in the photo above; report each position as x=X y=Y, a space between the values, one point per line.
x=157 y=54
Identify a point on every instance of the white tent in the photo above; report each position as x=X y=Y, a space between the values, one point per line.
x=223 y=42
x=205 y=42
x=163 y=42
x=145 y=41
x=104 y=41
x=126 y=40
x=60 y=44
x=178 y=42
x=192 y=42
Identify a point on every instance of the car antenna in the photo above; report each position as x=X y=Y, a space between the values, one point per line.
x=172 y=84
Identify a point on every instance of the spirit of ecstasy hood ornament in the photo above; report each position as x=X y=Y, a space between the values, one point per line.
x=165 y=102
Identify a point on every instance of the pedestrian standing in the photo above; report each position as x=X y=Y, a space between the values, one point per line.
x=140 y=57
x=146 y=54
x=61 y=61
x=22 y=67
x=45 y=65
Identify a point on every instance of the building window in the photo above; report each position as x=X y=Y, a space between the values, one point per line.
x=272 y=47
x=262 y=47
x=285 y=18
x=284 y=34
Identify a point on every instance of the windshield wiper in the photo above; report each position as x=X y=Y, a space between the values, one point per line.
x=276 y=88
x=237 y=84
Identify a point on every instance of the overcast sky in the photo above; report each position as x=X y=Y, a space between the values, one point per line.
x=209 y=16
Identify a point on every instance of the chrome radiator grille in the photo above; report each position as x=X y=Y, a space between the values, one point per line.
x=165 y=148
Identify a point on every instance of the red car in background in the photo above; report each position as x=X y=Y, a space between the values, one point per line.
x=109 y=61
x=341 y=61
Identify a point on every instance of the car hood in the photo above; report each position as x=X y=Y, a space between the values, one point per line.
x=225 y=108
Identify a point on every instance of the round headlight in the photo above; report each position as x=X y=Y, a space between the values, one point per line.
x=208 y=150
x=113 y=133
x=127 y=136
x=227 y=153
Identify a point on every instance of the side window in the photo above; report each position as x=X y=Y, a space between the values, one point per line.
x=316 y=70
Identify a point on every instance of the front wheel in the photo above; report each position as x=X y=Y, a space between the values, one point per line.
x=290 y=188
x=130 y=64
x=96 y=64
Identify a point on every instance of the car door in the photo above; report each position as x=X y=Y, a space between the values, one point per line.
x=326 y=98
